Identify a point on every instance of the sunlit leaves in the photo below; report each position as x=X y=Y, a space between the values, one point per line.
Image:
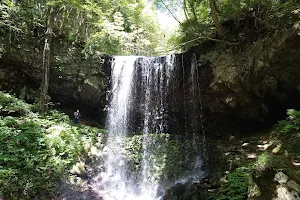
x=111 y=27
x=35 y=151
x=199 y=23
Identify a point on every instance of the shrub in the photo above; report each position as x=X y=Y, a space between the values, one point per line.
x=288 y=133
x=291 y=124
x=10 y=105
x=236 y=185
x=36 y=151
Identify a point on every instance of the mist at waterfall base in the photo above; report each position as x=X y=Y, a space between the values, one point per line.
x=149 y=96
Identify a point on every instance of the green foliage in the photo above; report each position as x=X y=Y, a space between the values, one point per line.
x=236 y=185
x=263 y=161
x=36 y=151
x=291 y=124
x=174 y=158
x=270 y=15
x=134 y=151
x=180 y=157
x=287 y=132
x=25 y=159
x=90 y=26
x=231 y=8
x=9 y=105
x=156 y=152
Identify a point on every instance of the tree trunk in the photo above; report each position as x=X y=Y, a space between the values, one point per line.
x=215 y=18
x=45 y=70
x=185 y=10
x=192 y=5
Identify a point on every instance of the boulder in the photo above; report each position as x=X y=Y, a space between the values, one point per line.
x=293 y=185
x=281 y=177
x=284 y=194
x=253 y=189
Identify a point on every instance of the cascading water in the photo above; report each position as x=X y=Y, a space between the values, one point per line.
x=193 y=120
x=114 y=183
x=198 y=123
x=142 y=90
x=155 y=81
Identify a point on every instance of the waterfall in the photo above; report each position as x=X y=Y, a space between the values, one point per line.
x=114 y=182
x=193 y=119
x=141 y=101
x=156 y=77
x=198 y=123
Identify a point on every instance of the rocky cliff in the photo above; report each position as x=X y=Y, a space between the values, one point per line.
x=252 y=82
x=76 y=82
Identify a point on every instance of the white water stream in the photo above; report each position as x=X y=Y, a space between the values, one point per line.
x=116 y=182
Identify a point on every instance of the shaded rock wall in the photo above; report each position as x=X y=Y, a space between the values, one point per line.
x=84 y=89
x=251 y=84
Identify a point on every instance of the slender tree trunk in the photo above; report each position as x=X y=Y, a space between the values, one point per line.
x=185 y=9
x=81 y=31
x=215 y=18
x=45 y=70
x=192 y=5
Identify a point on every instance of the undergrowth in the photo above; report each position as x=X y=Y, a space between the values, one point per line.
x=36 y=151
x=235 y=186
x=285 y=142
x=288 y=133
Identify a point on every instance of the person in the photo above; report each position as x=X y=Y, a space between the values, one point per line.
x=76 y=117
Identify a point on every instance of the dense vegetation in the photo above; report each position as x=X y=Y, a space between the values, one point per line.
x=279 y=152
x=201 y=20
x=107 y=27
x=36 y=151
x=288 y=135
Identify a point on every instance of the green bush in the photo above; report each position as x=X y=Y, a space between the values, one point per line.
x=36 y=151
x=25 y=168
x=236 y=185
x=9 y=105
x=287 y=132
x=291 y=124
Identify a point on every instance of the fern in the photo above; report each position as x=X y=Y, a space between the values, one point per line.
x=236 y=187
x=36 y=151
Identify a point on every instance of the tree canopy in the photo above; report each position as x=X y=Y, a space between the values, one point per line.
x=108 y=27
x=204 y=18
x=125 y=27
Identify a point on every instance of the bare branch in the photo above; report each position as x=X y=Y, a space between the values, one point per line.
x=170 y=11
x=211 y=39
x=198 y=38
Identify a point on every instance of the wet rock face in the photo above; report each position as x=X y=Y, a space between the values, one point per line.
x=186 y=191
x=251 y=84
x=84 y=89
